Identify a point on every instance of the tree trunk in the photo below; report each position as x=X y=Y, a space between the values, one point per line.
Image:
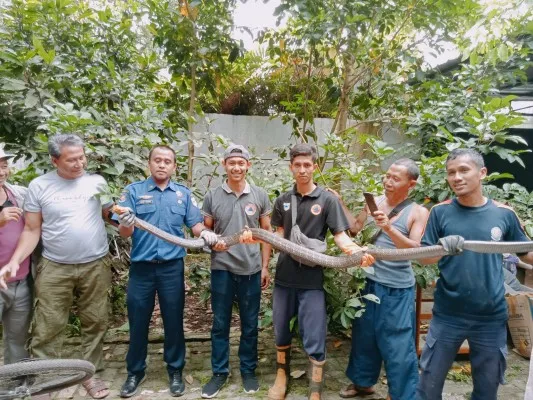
x=190 y=146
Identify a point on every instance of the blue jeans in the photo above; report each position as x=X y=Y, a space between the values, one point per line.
x=488 y=352
x=385 y=333
x=310 y=306
x=225 y=287
x=146 y=279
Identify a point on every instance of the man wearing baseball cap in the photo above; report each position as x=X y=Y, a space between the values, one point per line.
x=238 y=273
x=15 y=301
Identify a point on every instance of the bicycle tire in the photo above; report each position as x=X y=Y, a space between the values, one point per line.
x=42 y=376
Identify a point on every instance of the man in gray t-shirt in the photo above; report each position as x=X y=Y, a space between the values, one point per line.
x=64 y=209
x=238 y=272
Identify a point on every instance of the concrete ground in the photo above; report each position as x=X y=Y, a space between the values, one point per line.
x=198 y=371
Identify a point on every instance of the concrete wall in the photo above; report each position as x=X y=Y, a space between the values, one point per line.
x=262 y=134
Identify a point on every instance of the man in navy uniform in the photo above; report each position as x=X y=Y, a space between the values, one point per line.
x=157 y=266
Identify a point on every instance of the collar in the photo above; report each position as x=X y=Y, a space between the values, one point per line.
x=315 y=193
x=152 y=186
x=228 y=190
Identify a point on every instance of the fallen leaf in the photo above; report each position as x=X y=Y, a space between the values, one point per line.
x=106 y=348
x=107 y=356
x=160 y=351
x=297 y=374
x=337 y=343
x=189 y=379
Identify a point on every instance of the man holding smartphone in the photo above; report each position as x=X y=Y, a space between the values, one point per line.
x=385 y=332
x=15 y=301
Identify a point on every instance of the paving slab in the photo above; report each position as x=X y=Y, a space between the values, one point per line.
x=198 y=371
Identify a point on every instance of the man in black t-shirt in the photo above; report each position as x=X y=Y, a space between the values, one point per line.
x=298 y=288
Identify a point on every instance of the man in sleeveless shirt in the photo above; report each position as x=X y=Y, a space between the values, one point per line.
x=385 y=331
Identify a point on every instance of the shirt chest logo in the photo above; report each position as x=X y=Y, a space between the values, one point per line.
x=496 y=234
x=250 y=209
x=316 y=209
x=286 y=206
x=146 y=199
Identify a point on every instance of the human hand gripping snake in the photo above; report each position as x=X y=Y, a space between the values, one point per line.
x=314 y=258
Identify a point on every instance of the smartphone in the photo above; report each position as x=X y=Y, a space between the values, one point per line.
x=369 y=198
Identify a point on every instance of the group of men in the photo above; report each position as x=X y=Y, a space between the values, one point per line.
x=63 y=209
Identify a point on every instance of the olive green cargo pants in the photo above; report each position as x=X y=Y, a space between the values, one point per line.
x=55 y=287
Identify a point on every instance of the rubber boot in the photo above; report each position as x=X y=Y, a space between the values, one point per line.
x=316 y=380
x=283 y=362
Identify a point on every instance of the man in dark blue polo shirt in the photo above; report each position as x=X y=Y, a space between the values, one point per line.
x=298 y=288
x=157 y=266
x=469 y=299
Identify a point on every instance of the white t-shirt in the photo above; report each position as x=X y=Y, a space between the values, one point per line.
x=73 y=230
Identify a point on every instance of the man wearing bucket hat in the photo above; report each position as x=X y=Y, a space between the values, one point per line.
x=15 y=301
x=238 y=273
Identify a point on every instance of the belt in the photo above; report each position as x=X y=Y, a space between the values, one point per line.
x=160 y=261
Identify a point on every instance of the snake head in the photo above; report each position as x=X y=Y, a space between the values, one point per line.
x=246 y=236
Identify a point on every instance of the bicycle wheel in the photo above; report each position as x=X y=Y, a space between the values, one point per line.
x=31 y=377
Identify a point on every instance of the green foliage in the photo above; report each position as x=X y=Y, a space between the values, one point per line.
x=126 y=75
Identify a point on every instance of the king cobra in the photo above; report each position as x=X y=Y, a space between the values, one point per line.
x=313 y=258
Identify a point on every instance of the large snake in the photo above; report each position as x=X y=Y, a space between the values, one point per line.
x=313 y=258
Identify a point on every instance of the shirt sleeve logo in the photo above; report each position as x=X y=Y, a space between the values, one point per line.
x=286 y=206
x=250 y=209
x=496 y=234
x=316 y=209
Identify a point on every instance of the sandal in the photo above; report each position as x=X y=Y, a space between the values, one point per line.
x=94 y=386
x=353 y=391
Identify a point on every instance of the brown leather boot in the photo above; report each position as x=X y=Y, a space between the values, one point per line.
x=316 y=380
x=283 y=361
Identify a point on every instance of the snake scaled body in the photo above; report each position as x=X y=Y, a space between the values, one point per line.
x=314 y=258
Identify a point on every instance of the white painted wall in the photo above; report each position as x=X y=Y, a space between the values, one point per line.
x=261 y=134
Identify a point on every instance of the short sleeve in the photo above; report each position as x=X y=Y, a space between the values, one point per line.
x=336 y=218
x=515 y=233
x=126 y=199
x=208 y=205
x=103 y=188
x=277 y=215
x=432 y=231
x=266 y=207
x=32 y=203
x=193 y=216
